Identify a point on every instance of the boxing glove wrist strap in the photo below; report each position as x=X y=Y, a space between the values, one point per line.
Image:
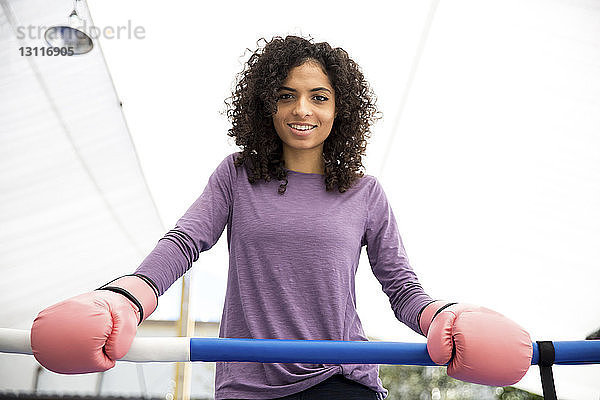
x=429 y=312
x=129 y=296
x=124 y=286
x=440 y=310
x=150 y=282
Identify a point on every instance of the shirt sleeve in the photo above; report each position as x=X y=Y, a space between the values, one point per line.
x=196 y=231
x=389 y=261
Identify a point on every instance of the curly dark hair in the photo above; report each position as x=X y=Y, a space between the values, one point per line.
x=253 y=103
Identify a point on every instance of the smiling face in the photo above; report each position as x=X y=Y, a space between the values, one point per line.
x=305 y=111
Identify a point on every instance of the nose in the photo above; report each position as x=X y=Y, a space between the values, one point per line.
x=302 y=107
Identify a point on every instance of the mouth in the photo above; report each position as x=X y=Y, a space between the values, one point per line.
x=302 y=129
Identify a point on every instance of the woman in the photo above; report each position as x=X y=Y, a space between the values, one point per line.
x=298 y=211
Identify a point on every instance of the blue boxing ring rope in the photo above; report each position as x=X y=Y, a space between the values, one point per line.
x=348 y=352
x=183 y=349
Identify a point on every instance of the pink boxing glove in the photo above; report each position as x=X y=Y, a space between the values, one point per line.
x=479 y=345
x=89 y=332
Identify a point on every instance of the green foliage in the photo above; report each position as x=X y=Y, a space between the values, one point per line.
x=432 y=383
x=511 y=393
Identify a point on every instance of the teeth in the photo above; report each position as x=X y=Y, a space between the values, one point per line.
x=302 y=127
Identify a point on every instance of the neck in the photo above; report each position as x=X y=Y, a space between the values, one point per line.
x=307 y=161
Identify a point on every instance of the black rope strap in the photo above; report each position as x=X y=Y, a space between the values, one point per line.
x=546 y=360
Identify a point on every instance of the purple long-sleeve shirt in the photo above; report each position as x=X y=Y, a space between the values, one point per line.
x=292 y=266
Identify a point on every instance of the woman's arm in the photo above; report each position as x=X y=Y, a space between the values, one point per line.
x=87 y=333
x=389 y=261
x=196 y=231
x=479 y=345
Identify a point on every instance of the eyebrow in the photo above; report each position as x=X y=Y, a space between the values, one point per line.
x=312 y=90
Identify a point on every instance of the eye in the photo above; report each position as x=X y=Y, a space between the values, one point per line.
x=285 y=96
x=321 y=98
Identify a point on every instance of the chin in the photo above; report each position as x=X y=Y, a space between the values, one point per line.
x=301 y=146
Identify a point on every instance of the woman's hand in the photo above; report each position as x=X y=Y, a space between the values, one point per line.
x=479 y=345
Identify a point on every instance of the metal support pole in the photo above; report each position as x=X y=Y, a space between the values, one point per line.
x=183 y=371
